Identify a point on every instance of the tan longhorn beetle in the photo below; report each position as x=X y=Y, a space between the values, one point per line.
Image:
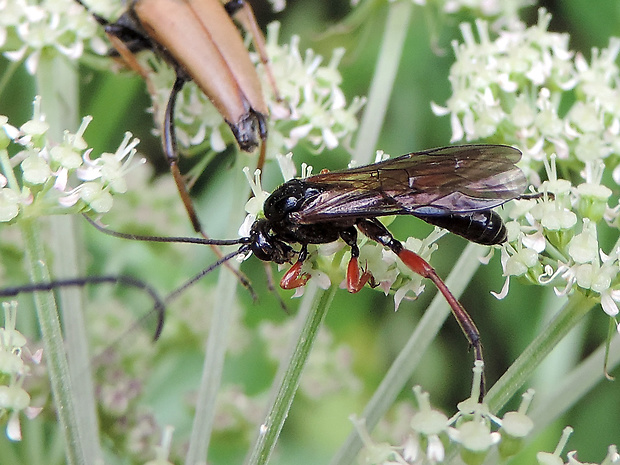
x=202 y=44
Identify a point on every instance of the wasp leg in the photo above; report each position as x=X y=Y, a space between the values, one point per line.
x=355 y=281
x=295 y=277
x=377 y=232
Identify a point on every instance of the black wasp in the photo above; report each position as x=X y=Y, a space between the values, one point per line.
x=455 y=188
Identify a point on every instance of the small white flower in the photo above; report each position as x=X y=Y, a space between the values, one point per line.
x=9 y=204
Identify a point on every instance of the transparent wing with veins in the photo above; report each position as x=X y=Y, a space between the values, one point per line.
x=460 y=179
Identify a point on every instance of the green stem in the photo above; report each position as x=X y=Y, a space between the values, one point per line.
x=57 y=84
x=7 y=170
x=224 y=314
x=8 y=74
x=311 y=314
x=57 y=366
x=572 y=387
x=317 y=303
x=399 y=374
x=396 y=27
x=573 y=311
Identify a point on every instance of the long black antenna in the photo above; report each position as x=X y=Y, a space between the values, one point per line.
x=175 y=239
x=240 y=251
x=159 y=304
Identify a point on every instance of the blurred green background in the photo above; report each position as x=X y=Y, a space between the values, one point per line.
x=365 y=321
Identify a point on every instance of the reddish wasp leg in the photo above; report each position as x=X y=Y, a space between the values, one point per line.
x=294 y=277
x=355 y=282
x=376 y=231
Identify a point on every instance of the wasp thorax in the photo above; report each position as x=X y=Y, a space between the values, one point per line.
x=287 y=198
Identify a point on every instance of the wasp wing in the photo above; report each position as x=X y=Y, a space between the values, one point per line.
x=435 y=182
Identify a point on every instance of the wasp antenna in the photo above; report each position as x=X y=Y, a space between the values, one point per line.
x=222 y=259
x=174 y=239
x=190 y=282
x=159 y=305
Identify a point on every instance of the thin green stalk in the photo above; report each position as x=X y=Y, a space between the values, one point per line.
x=396 y=27
x=223 y=318
x=57 y=366
x=57 y=84
x=311 y=315
x=400 y=372
x=573 y=311
x=7 y=169
x=317 y=303
x=572 y=387
x=8 y=74
x=567 y=391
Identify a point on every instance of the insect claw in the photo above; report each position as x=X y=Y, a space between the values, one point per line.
x=294 y=277
x=355 y=282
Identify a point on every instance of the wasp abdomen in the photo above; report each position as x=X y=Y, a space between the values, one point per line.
x=484 y=227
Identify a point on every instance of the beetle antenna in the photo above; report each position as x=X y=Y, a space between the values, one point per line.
x=100 y=19
x=245 y=248
x=159 y=304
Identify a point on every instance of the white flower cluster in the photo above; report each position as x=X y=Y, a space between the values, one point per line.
x=515 y=87
x=486 y=8
x=15 y=361
x=31 y=27
x=473 y=432
x=312 y=106
x=527 y=88
x=48 y=170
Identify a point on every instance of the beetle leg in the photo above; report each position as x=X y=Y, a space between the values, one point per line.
x=377 y=232
x=243 y=13
x=126 y=38
x=355 y=281
x=169 y=142
x=272 y=288
x=262 y=131
x=295 y=277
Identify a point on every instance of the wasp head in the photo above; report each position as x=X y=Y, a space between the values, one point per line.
x=268 y=247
